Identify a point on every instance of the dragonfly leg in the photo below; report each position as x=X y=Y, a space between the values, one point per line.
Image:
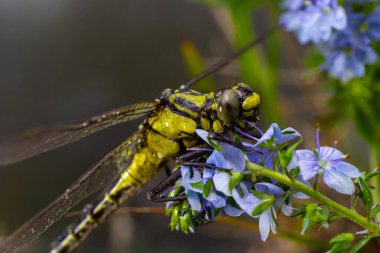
x=157 y=194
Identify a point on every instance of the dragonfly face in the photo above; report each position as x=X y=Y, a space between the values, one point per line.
x=235 y=107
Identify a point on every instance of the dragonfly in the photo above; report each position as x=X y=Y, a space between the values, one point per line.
x=167 y=131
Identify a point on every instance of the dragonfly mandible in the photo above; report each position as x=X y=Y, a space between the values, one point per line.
x=168 y=129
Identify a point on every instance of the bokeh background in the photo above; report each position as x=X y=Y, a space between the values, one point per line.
x=64 y=60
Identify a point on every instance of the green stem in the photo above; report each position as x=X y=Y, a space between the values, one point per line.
x=373 y=228
x=374 y=163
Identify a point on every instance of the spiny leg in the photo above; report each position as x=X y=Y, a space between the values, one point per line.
x=157 y=195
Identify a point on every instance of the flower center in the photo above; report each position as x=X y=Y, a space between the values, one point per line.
x=323 y=163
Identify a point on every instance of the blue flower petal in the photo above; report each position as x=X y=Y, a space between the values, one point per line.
x=232 y=211
x=338 y=182
x=234 y=157
x=221 y=182
x=217 y=159
x=347 y=169
x=266 y=223
x=203 y=134
x=208 y=173
x=328 y=153
x=338 y=18
x=293 y=162
x=194 y=199
x=216 y=200
x=247 y=201
x=287 y=208
x=268 y=188
x=307 y=163
x=287 y=134
x=268 y=134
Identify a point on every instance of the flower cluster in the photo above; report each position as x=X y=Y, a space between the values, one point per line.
x=344 y=36
x=224 y=185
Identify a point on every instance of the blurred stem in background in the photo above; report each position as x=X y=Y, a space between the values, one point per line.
x=257 y=69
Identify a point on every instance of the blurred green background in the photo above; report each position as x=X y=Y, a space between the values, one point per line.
x=63 y=60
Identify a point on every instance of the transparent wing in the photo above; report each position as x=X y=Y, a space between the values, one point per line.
x=40 y=140
x=93 y=180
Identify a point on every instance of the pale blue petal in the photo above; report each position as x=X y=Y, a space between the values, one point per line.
x=268 y=134
x=217 y=200
x=286 y=135
x=268 y=188
x=203 y=134
x=221 y=182
x=287 y=209
x=266 y=223
x=338 y=18
x=232 y=211
x=234 y=157
x=347 y=169
x=217 y=159
x=329 y=153
x=300 y=195
x=247 y=202
x=293 y=162
x=208 y=173
x=194 y=200
x=307 y=163
x=338 y=182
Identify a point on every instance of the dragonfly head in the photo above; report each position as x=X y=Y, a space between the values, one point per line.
x=237 y=105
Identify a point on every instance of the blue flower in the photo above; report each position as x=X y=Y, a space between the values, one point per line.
x=349 y=50
x=188 y=179
x=260 y=155
x=249 y=202
x=313 y=20
x=337 y=174
x=277 y=136
x=209 y=188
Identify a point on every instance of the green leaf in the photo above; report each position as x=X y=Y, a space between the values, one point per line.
x=341 y=242
x=174 y=221
x=374 y=211
x=262 y=206
x=343 y=237
x=185 y=222
x=360 y=244
x=274 y=218
x=370 y=175
x=309 y=217
x=197 y=185
x=207 y=188
x=366 y=194
x=214 y=145
x=261 y=195
x=294 y=172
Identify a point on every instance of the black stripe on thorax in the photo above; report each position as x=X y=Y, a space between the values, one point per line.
x=187 y=104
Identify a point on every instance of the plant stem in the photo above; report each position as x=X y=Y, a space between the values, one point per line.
x=373 y=228
x=374 y=163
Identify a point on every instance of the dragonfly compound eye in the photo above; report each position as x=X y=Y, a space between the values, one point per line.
x=228 y=109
